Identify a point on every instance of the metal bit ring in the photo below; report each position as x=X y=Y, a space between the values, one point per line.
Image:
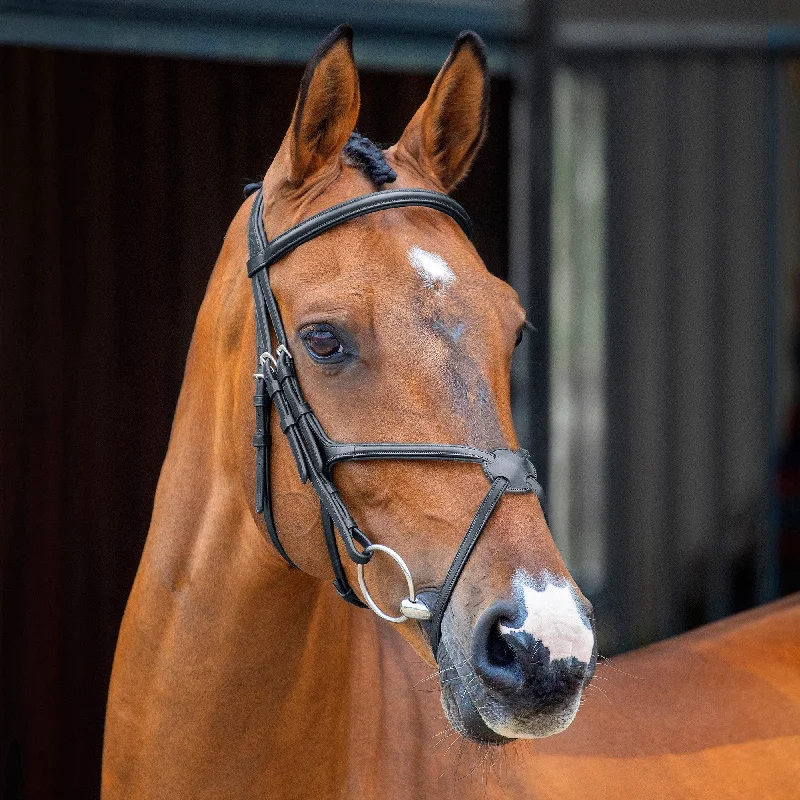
x=410 y=603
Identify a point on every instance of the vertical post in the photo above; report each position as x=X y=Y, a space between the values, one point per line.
x=619 y=597
x=529 y=226
x=768 y=575
x=720 y=570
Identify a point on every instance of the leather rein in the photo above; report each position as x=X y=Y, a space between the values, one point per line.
x=316 y=455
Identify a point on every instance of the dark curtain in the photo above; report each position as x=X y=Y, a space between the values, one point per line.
x=118 y=178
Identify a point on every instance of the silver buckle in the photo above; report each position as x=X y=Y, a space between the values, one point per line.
x=266 y=357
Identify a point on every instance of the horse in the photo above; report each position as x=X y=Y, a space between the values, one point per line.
x=239 y=671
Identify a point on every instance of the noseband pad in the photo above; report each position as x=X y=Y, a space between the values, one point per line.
x=516 y=467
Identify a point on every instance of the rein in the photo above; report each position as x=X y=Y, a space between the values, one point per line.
x=316 y=455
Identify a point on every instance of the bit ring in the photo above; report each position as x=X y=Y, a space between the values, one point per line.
x=408 y=603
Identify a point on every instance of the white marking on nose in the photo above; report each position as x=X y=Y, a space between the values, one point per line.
x=552 y=617
x=433 y=269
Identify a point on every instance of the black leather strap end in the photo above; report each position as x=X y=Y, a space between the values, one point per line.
x=273 y=535
x=260 y=471
x=348 y=595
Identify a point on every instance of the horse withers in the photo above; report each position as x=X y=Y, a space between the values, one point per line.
x=237 y=674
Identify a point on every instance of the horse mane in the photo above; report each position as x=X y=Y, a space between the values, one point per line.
x=368 y=157
x=359 y=152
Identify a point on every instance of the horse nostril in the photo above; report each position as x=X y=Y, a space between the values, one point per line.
x=514 y=663
x=493 y=658
x=498 y=650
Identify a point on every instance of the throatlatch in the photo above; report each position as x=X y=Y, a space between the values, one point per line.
x=316 y=455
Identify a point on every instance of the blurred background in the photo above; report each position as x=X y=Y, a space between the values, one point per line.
x=640 y=188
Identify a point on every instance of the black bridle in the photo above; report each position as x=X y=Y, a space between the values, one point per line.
x=316 y=454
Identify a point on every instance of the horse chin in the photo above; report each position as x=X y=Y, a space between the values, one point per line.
x=460 y=710
x=481 y=718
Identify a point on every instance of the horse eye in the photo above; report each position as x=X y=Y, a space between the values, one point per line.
x=519 y=337
x=322 y=344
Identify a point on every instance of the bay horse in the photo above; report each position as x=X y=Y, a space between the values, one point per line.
x=239 y=671
x=233 y=669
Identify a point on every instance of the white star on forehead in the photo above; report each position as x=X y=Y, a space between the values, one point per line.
x=433 y=269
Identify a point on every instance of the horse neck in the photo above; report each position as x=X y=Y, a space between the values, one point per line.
x=221 y=642
x=235 y=675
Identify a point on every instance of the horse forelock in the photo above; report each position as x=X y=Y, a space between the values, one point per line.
x=364 y=154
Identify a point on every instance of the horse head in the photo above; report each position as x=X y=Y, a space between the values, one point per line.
x=398 y=333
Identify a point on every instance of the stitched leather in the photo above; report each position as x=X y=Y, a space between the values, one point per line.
x=315 y=454
x=344 y=212
x=496 y=491
x=340 y=582
x=336 y=452
x=516 y=467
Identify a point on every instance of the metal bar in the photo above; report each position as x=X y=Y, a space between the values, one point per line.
x=391 y=35
x=619 y=599
x=275 y=40
x=529 y=270
x=595 y=36
x=405 y=16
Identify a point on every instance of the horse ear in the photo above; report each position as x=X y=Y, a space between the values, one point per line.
x=327 y=106
x=449 y=127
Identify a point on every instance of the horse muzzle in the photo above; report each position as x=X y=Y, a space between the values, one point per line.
x=502 y=681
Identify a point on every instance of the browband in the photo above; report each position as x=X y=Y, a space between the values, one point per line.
x=350 y=209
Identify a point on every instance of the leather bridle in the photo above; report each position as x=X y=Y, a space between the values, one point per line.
x=316 y=455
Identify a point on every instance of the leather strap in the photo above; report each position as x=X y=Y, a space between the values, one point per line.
x=340 y=582
x=265 y=306
x=336 y=452
x=344 y=212
x=496 y=491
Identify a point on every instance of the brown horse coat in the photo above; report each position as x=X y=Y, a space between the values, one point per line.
x=714 y=713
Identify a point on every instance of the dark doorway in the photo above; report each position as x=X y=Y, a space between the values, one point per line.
x=118 y=178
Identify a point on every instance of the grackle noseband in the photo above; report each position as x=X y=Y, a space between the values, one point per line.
x=316 y=454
